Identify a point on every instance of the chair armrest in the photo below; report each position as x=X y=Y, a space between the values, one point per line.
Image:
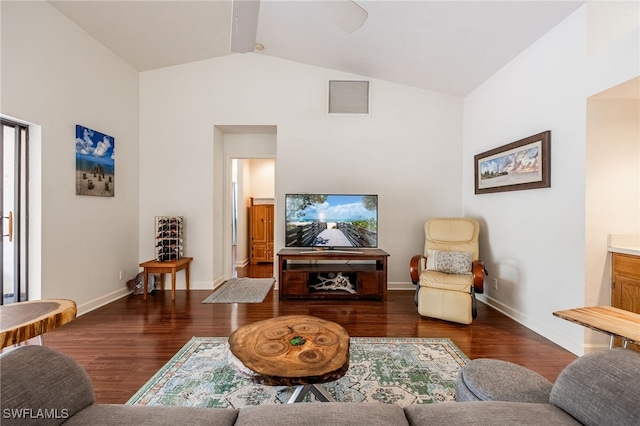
x=478 y=271
x=414 y=268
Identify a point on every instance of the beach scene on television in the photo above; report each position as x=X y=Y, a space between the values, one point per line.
x=316 y=220
x=94 y=163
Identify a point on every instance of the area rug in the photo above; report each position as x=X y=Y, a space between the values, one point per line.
x=242 y=290
x=400 y=371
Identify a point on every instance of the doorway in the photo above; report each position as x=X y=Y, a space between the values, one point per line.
x=246 y=143
x=14 y=207
x=252 y=182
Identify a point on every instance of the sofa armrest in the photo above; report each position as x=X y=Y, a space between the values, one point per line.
x=601 y=388
x=40 y=378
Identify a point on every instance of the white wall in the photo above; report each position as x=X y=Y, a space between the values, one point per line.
x=408 y=150
x=609 y=20
x=534 y=241
x=612 y=189
x=262 y=178
x=244 y=223
x=244 y=187
x=55 y=76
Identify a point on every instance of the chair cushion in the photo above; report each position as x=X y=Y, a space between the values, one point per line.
x=449 y=262
x=446 y=305
x=452 y=234
x=451 y=282
x=451 y=229
x=496 y=380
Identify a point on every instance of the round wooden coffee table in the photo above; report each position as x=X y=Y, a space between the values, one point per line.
x=293 y=350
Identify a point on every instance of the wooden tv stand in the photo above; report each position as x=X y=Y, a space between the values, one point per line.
x=335 y=274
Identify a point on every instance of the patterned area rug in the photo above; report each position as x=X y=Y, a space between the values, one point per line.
x=242 y=290
x=400 y=371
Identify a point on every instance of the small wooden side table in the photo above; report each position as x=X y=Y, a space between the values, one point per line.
x=169 y=267
x=24 y=320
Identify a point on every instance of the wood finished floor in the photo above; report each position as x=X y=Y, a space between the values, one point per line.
x=122 y=344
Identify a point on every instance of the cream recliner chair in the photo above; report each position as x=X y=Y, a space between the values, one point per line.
x=449 y=273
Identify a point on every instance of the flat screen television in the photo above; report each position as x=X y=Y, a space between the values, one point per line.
x=331 y=220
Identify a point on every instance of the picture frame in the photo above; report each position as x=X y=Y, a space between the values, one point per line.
x=523 y=164
x=95 y=163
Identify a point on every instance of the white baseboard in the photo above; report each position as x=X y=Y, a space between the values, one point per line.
x=218 y=282
x=576 y=347
x=193 y=285
x=115 y=295
x=400 y=286
x=103 y=300
x=498 y=306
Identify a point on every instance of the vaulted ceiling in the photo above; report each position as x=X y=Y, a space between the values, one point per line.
x=445 y=46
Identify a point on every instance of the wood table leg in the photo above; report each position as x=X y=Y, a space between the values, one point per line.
x=186 y=275
x=173 y=283
x=145 y=279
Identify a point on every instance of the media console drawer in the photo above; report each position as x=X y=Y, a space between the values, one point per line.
x=348 y=274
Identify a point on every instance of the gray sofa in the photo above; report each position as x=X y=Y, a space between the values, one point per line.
x=41 y=386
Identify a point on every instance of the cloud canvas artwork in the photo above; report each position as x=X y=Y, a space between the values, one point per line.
x=513 y=167
x=94 y=163
x=524 y=164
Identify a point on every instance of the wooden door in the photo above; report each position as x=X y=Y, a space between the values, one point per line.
x=261 y=233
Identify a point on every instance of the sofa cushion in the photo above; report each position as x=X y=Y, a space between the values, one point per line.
x=496 y=380
x=322 y=413
x=483 y=413
x=41 y=385
x=135 y=415
x=601 y=388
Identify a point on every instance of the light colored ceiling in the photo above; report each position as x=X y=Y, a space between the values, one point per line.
x=445 y=46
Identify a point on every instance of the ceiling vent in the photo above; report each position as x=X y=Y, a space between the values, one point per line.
x=348 y=97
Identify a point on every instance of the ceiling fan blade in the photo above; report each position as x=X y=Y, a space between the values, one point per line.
x=346 y=14
x=244 y=25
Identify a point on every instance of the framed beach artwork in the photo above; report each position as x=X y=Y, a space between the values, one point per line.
x=524 y=164
x=94 y=163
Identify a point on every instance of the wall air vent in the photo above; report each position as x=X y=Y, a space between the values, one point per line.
x=348 y=97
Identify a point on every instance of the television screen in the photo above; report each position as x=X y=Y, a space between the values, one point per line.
x=331 y=220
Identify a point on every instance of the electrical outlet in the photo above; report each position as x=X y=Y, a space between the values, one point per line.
x=494 y=283
x=122 y=274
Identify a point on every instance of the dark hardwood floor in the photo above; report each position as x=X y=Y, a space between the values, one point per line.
x=122 y=344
